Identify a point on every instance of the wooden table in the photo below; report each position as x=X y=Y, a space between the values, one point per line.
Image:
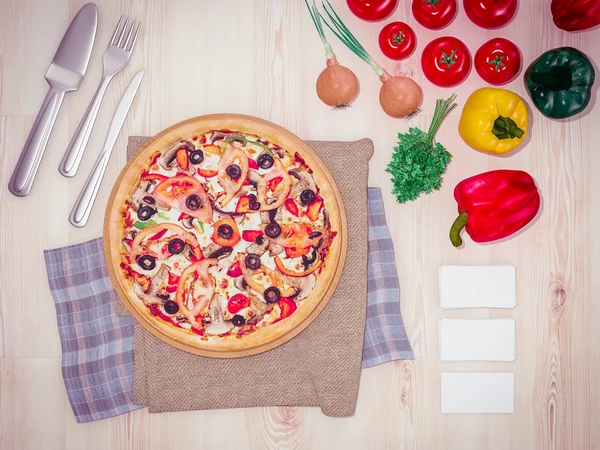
x=262 y=57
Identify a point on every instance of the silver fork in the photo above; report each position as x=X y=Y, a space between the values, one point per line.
x=115 y=59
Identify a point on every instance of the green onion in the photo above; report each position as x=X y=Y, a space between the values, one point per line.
x=348 y=39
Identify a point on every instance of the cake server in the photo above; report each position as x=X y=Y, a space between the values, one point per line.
x=64 y=75
x=83 y=206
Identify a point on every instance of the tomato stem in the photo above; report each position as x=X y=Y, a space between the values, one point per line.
x=448 y=59
x=497 y=62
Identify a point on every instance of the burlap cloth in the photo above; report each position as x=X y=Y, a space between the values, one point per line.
x=319 y=367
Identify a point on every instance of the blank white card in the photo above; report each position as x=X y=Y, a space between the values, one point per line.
x=478 y=393
x=477 y=340
x=478 y=287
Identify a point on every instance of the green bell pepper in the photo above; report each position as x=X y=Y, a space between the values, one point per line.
x=560 y=82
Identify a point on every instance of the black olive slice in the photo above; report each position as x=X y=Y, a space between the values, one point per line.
x=238 y=320
x=254 y=206
x=273 y=230
x=265 y=161
x=193 y=202
x=314 y=234
x=147 y=262
x=149 y=199
x=259 y=240
x=271 y=294
x=234 y=171
x=307 y=197
x=145 y=212
x=176 y=246
x=252 y=261
x=196 y=157
x=225 y=231
x=171 y=307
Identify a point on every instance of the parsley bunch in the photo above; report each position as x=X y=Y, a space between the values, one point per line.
x=418 y=163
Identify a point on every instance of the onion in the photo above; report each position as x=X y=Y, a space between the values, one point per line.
x=337 y=85
x=399 y=96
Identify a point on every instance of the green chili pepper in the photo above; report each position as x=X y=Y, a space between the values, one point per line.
x=141 y=225
x=243 y=139
x=560 y=82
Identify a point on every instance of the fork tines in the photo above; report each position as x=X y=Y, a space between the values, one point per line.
x=122 y=37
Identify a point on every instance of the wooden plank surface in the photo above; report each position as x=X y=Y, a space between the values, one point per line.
x=262 y=57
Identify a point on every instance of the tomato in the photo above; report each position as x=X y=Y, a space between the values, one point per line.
x=446 y=61
x=372 y=10
x=434 y=14
x=237 y=302
x=397 y=40
x=490 y=13
x=498 y=61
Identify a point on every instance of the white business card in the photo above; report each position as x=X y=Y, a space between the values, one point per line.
x=478 y=287
x=478 y=393
x=477 y=340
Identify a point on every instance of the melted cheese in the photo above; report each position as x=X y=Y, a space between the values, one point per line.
x=224 y=285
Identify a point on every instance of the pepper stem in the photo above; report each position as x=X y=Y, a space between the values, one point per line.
x=456 y=228
x=506 y=128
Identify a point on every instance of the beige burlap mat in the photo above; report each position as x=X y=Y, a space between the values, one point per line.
x=319 y=367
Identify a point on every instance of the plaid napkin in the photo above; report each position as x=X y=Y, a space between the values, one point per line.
x=97 y=345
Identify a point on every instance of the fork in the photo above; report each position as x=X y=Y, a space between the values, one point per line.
x=115 y=59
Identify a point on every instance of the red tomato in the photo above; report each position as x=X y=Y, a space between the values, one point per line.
x=490 y=13
x=498 y=61
x=237 y=302
x=446 y=61
x=372 y=10
x=434 y=14
x=397 y=40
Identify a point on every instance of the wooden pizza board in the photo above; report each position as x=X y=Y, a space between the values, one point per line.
x=264 y=338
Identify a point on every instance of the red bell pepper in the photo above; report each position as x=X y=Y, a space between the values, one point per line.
x=575 y=15
x=251 y=235
x=291 y=206
x=494 y=205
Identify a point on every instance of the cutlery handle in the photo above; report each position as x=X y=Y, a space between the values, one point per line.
x=83 y=206
x=72 y=158
x=27 y=166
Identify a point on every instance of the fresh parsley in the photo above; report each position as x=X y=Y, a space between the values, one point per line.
x=418 y=163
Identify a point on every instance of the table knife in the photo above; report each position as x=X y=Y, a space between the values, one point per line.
x=83 y=206
x=65 y=74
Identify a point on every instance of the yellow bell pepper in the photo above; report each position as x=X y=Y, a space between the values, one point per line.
x=493 y=120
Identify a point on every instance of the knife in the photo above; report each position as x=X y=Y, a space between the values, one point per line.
x=83 y=206
x=65 y=74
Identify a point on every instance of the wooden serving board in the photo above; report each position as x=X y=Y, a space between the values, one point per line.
x=264 y=338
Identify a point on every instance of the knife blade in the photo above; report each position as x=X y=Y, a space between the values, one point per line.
x=83 y=206
x=65 y=74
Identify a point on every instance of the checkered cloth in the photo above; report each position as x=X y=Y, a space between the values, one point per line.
x=97 y=345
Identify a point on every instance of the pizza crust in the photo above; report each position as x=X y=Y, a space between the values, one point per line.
x=264 y=338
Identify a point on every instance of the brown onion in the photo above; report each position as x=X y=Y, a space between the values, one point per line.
x=337 y=85
x=399 y=96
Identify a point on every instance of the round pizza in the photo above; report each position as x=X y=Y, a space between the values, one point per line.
x=224 y=237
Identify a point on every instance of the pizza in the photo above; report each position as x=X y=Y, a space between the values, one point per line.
x=224 y=236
